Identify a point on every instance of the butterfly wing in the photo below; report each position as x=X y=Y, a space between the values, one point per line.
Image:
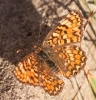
x=27 y=71
x=49 y=81
x=35 y=72
x=68 y=30
x=69 y=59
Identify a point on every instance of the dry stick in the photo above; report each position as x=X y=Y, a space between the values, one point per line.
x=86 y=72
x=85 y=27
x=78 y=91
x=88 y=20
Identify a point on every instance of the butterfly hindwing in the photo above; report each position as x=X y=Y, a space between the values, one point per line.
x=69 y=59
x=49 y=81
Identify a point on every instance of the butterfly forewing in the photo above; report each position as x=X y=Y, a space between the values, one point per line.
x=27 y=70
x=68 y=30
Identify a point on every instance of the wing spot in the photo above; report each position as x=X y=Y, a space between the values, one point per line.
x=56 y=35
x=68 y=51
x=64 y=36
x=68 y=41
x=78 y=62
x=68 y=73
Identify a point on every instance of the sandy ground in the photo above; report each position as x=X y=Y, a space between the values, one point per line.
x=20 y=22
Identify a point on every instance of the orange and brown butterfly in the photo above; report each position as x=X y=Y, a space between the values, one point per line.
x=58 y=54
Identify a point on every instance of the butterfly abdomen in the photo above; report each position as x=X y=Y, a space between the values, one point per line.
x=45 y=58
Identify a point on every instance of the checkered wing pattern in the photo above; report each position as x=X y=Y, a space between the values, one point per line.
x=27 y=71
x=35 y=72
x=69 y=59
x=68 y=30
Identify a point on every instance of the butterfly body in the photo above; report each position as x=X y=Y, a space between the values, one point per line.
x=48 y=61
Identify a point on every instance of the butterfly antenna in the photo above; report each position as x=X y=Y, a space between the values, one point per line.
x=88 y=20
x=35 y=46
x=39 y=34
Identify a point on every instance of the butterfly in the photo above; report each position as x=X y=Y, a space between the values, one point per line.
x=58 y=54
